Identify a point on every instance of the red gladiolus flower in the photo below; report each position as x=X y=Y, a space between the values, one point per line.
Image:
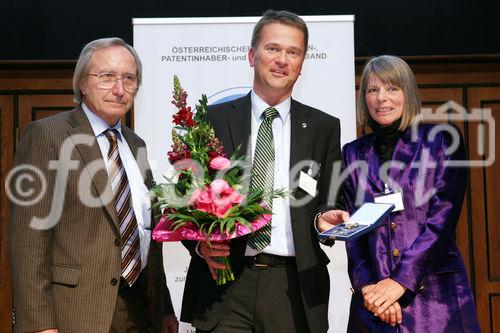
x=184 y=117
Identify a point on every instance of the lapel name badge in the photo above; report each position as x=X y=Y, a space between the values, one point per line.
x=308 y=183
x=390 y=197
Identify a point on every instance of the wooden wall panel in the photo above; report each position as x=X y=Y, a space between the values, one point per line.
x=38 y=76
x=30 y=91
x=495 y=312
x=436 y=99
x=492 y=186
x=485 y=207
x=7 y=153
x=34 y=107
x=38 y=90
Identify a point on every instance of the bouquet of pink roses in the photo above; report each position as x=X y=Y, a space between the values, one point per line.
x=205 y=199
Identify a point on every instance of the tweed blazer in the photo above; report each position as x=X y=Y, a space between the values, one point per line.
x=66 y=264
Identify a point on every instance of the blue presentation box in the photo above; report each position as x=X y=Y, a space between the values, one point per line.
x=369 y=216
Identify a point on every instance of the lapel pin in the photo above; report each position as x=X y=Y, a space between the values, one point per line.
x=304 y=125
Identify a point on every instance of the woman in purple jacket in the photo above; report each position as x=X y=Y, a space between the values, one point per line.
x=407 y=275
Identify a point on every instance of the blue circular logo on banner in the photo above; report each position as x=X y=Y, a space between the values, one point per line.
x=227 y=95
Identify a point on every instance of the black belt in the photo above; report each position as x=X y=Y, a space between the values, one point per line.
x=265 y=261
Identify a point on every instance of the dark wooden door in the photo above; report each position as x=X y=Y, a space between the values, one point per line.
x=7 y=139
x=436 y=101
x=16 y=112
x=485 y=190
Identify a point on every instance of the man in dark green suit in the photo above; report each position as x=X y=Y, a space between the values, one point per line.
x=285 y=286
x=81 y=254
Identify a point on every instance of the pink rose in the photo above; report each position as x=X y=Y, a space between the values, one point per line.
x=225 y=200
x=220 y=163
x=236 y=198
x=221 y=201
x=204 y=202
x=194 y=196
x=218 y=186
x=222 y=204
x=215 y=199
x=220 y=211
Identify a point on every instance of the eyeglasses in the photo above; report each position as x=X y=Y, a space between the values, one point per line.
x=107 y=80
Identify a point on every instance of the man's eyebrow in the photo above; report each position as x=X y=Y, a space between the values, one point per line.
x=272 y=44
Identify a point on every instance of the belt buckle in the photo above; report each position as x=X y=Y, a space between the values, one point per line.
x=258 y=265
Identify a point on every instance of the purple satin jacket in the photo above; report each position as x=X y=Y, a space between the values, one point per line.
x=416 y=246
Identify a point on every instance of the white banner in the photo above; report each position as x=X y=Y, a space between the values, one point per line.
x=210 y=56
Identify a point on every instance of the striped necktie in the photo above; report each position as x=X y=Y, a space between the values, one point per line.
x=263 y=174
x=129 y=232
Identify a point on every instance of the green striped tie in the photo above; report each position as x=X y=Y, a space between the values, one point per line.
x=263 y=174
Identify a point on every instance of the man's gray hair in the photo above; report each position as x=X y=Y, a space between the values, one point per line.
x=85 y=60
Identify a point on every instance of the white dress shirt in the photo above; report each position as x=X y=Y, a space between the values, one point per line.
x=281 y=232
x=138 y=190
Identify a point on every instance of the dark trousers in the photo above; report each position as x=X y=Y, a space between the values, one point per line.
x=132 y=303
x=264 y=299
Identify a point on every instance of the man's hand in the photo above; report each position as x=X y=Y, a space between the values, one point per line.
x=393 y=315
x=52 y=330
x=331 y=218
x=382 y=295
x=170 y=324
x=208 y=252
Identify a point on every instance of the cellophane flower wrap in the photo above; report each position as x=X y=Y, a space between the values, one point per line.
x=205 y=199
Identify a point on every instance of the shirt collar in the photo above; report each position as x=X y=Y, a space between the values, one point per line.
x=99 y=126
x=258 y=107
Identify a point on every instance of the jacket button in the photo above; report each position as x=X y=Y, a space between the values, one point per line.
x=393 y=225
x=396 y=252
x=117 y=242
x=114 y=282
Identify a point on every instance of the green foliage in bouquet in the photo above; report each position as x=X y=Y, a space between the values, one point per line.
x=207 y=189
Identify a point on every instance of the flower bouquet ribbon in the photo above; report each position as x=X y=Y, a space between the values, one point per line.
x=163 y=232
x=205 y=199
